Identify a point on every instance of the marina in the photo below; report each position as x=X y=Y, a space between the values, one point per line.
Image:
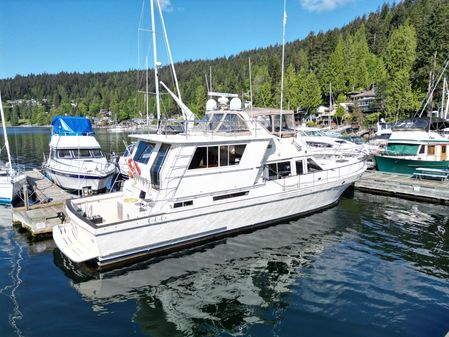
x=294 y=189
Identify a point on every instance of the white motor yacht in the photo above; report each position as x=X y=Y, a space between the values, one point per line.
x=11 y=181
x=317 y=142
x=224 y=177
x=76 y=160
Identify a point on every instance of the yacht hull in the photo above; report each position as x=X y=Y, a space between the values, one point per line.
x=407 y=166
x=166 y=232
x=74 y=182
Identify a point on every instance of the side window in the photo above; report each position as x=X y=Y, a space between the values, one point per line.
x=212 y=156
x=236 y=154
x=143 y=152
x=199 y=159
x=443 y=148
x=422 y=149
x=312 y=166
x=299 y=167
x=279 y=170
x=431 y=149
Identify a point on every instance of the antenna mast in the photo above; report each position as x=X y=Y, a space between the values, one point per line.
x=6 y=136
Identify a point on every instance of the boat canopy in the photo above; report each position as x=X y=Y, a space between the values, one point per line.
x=71 y=126
x=434 y=124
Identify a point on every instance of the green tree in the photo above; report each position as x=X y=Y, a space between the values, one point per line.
x=310 y=93
x=399 y=56
x=335 y=72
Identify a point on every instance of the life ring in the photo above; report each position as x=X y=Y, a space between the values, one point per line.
x=134 y=168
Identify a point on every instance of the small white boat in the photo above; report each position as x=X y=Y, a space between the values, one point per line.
x=75 y=160
x=11 y=181
x=117 y=129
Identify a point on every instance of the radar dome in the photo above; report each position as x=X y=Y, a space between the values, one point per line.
x=211 y=105
x=223 y=100
x=236 y=104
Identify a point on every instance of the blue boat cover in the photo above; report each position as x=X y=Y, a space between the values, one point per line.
x=68 y=125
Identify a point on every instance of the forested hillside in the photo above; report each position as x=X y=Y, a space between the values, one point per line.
x=394 y=49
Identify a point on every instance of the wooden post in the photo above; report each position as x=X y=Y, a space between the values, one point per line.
x=25 y=197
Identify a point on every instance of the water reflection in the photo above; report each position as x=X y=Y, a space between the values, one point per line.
x=226 y=286
x=358 y=267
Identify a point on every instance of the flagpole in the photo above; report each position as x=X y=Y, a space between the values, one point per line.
x=282 y=67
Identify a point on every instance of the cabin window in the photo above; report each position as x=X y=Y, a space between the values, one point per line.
x=422 y=149
x=279 y=170
x=431 y=150
x=183 y=204
x=299 y=167
x=143 y=152
x=236 y=154
x=155 y=170
x=96 y=153
x=199 y=159
x=224 y=155
x=443 y=148
x=312 y=166
x=66 y=154
x=214 y=156
x=82 y=153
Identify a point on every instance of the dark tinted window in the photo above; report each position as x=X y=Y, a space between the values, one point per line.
x=199 y=159
x=157 y=165
x=312 y=166
x=236 y=153
x=299 y=167
x=143 y=152
x=64 y=154
x=212 y=156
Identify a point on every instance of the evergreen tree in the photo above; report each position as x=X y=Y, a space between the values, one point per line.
x=310 y=93
x=399 y=57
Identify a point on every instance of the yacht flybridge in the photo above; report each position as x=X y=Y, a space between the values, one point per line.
x=217 y=178
x=75 y=160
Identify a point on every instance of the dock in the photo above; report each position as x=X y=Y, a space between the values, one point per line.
x=40 y=217
x=403 y=186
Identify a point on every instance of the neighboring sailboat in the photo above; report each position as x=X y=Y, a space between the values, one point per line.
x=75 y=160
x=11 y=181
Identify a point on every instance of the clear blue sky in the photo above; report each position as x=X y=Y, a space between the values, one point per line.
x=49 y=36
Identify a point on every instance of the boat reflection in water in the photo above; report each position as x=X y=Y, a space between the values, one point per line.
x=227 y=285
x=355 y=268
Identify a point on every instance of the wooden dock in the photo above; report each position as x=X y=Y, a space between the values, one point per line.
x=404 y=186
x=40 y=217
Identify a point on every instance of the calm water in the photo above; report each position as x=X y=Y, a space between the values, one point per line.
x=371 y=266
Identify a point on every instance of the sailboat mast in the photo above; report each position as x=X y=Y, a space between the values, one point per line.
x=156 y=63
x=284 y=22
x=169 y=50
x=146 y=90
x=250 y=86
x=5 y=135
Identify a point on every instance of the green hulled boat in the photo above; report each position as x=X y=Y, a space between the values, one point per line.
x=411 y=146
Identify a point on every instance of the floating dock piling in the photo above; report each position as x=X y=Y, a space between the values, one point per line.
x=40 y=217
x=404 y=186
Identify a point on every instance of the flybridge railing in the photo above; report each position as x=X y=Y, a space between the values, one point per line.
x=210 y=127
